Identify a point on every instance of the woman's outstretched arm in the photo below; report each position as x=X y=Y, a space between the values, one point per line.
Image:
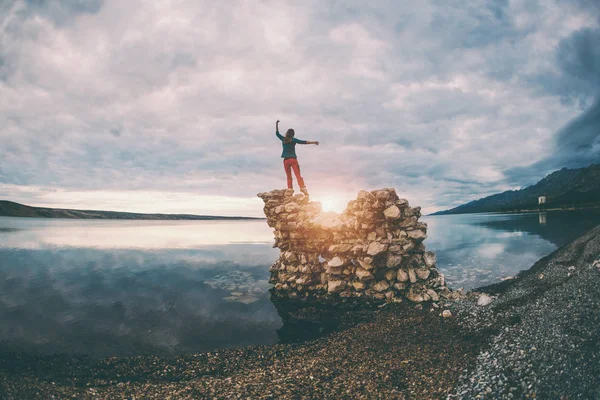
x=306 y=141
x=277 y=130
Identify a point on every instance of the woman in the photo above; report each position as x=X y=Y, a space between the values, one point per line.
x=290 y=162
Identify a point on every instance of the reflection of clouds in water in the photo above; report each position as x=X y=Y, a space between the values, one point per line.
x=128 y=300
x=490 y=250
x=124 y=302
x=504 y=235
x=475 y=250
x=128 y=234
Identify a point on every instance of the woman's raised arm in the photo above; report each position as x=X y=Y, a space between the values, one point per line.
x=277 y=130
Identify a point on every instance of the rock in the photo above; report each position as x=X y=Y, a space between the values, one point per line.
x=392 y=212
x=363 y=274
x=402 y=276
x=334 y=270
x=336 y=286
x=484 y=300
x=390 y=275
x=336 y=262
x=303 y=281
x=381 y=286
x=357 y=253
x=446 y=314
x=430 y=259
x=366 y=262
x=422 y=274
x=433 y=295
x=412 y=277
x=414 y=297
x=393 y=260
x=417 y=235
x=291 y=207
x=376 y=248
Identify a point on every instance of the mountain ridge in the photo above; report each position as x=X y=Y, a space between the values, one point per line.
x=564 y=188
x=12 y=209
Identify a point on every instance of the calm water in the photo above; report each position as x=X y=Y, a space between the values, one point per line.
x=132 y=287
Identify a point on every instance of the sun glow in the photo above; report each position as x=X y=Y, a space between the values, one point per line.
x=333 y=203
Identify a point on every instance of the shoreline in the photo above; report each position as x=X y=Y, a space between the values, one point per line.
x=523 y=211
x=543 y=321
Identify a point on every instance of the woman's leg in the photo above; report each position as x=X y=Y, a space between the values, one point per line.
x=288 y=172
x=296 y=168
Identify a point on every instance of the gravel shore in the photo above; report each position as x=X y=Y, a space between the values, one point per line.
x=399 y=353
x=538 y=338
x=546 y=324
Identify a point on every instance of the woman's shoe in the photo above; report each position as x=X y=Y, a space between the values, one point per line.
x=304 y=190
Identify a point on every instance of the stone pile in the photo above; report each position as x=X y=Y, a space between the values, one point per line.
x=373 y=250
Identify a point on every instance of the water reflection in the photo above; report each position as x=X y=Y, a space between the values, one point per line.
x=479 y=249
x=128 y=287
x=130 y=302
x=110 y=234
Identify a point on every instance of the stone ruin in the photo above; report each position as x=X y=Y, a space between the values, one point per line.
x=374 y=250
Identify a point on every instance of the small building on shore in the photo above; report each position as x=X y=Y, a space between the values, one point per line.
x=542 y=200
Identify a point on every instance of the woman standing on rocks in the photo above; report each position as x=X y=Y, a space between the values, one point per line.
x=290 y=161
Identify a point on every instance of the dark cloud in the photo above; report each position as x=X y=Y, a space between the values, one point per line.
x=577 y=144
x=116 y=132
x=62 y=11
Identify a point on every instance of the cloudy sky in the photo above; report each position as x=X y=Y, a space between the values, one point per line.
x=170 y=105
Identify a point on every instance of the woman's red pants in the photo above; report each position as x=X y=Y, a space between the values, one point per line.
x=290 y=164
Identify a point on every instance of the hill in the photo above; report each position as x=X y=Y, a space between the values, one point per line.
x=564 y=188
x=11 y=209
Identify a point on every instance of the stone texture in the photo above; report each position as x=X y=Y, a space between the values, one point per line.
x=422 y=273
x=484 y=300
x=374 y=249
x=381 y=286
x=364 y=275
x=336 y=262
x=417 y=235
x=430 y=259
x=392 y=212
x=336 y=286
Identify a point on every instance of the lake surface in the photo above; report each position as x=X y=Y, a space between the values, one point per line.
x=112 y=288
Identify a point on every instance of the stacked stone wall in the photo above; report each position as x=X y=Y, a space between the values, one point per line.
x=373 y=250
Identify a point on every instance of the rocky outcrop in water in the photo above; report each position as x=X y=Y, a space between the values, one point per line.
x=373 y=250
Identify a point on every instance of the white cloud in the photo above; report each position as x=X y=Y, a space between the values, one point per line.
x=123 y=98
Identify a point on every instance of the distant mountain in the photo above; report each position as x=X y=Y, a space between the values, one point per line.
x=564 y=188
x=11 y=209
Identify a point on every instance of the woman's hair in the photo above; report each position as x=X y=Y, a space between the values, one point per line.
x=289 y=135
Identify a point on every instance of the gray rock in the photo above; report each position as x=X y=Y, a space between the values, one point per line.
x=484 y=300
